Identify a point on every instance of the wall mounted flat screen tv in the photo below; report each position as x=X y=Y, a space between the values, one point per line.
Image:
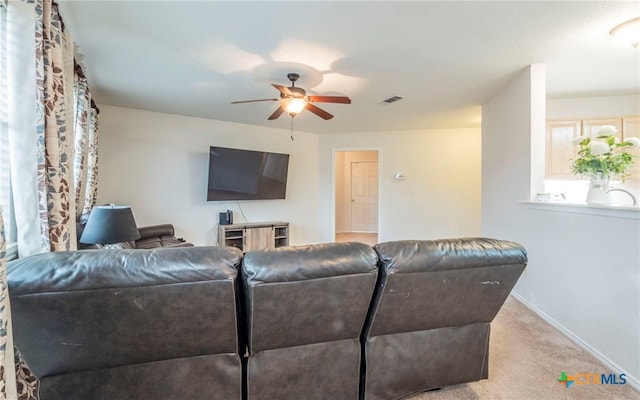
x=236 y=174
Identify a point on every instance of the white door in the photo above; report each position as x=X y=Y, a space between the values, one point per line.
x=364 y=196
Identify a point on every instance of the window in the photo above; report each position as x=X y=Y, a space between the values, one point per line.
x=5 y=172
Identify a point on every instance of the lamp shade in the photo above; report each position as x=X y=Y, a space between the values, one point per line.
x=110 y=224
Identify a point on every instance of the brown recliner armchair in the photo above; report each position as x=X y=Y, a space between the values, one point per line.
x=159 y=236
x=430 y=320
x=151 y=237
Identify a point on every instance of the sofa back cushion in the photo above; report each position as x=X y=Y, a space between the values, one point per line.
x=91 y=310
x=441 y=283
x=307 y=294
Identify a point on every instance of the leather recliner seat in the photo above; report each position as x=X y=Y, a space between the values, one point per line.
x=129 y=324
x=305 y=308
x=430 y=319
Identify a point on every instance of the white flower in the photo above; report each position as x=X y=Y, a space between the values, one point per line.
x=635 y=142
x=598 y=147
x=579 y=139
x=607 y=130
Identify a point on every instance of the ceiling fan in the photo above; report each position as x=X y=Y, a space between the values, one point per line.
x=295 y=99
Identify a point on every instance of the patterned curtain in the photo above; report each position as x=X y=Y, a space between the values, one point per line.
x=44 y=179
x=26 y=384
x=53 y=129
x=86 y=146
x=91 y=185
x=4 y=312
x=54 y=82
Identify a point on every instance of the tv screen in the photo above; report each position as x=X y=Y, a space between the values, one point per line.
x=236 y=174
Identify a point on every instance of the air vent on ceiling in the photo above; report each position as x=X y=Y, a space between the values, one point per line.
x=392 y=99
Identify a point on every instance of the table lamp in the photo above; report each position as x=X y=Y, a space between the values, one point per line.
x=110 y=225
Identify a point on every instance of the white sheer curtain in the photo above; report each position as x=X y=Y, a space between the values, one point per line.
x=22 y=124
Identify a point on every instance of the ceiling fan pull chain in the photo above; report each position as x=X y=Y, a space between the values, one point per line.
x=292 y=128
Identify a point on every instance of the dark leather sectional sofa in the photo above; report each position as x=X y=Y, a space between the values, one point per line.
x=328 y=321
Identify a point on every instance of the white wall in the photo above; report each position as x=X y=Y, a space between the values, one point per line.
x=507 y=145
x=441 y=195
x=157 y=163
x=584 y=267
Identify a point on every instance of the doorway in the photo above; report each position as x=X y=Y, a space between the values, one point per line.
x=356 y=196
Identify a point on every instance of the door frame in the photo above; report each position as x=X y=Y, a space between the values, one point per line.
x=334 y=182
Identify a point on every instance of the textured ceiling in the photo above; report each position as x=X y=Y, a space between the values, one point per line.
x=444 y=58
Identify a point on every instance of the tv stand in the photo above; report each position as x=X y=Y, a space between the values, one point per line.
x=254 y=235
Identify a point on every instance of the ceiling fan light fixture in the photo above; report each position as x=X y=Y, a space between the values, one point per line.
x=293 y=105
x=627 y=32
x=294 y=99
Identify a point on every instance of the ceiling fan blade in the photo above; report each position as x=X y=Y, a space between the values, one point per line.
x=318 y=111
x=276 y=113
x=252 y=101
x=330 y=99
x=283 y=89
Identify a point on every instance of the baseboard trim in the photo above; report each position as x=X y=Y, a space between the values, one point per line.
x=632 y=380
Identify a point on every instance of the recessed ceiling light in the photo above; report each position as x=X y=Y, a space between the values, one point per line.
x=627 y=32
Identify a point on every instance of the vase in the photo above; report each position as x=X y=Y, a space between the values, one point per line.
x=598 y=190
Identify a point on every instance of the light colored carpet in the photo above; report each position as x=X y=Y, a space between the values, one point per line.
x=369 y=238
x=526 y=358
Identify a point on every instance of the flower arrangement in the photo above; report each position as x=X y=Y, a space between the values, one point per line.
x=605 y=156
